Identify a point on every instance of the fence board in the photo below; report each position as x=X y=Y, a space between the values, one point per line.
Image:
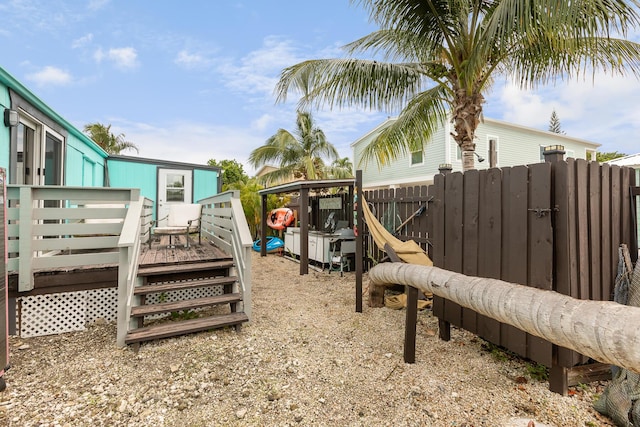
x=582 y=232
x=595 y=223
x=453 y=206
x=565 y=247
x=490 y=241
x=514 y=244
x=607 y=270
x=471 y=240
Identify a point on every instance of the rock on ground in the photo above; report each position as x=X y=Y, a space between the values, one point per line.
x=306 y=358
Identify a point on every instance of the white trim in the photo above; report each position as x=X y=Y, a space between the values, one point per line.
x=426 y=179
x=447 y=142
x=544 y=132
x=496 y=138
x=373 y=131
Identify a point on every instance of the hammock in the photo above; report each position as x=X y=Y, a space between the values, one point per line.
x=409 y=251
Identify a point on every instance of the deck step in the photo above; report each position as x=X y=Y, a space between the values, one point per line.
x=184 y=268
x=170 y=329
x=167 y=307
x=179 y=286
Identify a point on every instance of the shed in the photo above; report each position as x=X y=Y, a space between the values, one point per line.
x=164 y=182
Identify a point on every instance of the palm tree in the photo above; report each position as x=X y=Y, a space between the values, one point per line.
x=440 y=57
x=299 y=155
x=340 y=169
x=112 y=144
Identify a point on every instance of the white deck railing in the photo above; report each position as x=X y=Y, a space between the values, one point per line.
x=129 y=244
x=81 y=226
x=224 y=224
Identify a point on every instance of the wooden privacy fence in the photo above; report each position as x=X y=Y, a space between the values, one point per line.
x=394 y=208
x=554 y=225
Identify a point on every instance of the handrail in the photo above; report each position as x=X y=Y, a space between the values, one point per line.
x=224 y=223
x=47 y=220
x=129 y=249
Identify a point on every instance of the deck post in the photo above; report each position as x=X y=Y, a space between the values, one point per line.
x=25 y=278
x=358 y=224
x=123 y=298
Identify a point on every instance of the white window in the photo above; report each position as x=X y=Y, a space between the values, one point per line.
x=417 y=157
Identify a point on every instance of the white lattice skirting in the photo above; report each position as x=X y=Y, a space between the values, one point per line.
x=51 y=314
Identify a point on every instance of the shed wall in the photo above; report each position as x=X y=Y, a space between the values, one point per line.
x=205 y=184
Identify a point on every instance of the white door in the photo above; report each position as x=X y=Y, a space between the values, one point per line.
x=174 y=187
x=37 y=158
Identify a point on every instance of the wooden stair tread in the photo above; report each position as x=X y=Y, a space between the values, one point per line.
x=182 y=268
x=166 y=307
x=177 y=286
x=170 y=329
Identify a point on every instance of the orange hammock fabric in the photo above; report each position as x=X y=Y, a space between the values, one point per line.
x=409 y=251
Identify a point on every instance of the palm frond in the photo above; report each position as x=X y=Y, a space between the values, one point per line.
x=352 y=82
x=412 y=129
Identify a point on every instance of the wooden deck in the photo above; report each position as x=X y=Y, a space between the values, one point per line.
x=106 y=275
x=160 y=253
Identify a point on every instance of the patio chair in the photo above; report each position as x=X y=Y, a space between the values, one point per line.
x=183 y=219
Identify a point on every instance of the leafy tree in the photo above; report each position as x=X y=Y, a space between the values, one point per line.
x=112 y=144
x=554 y=124
x=252 y=202
x=298 y=155
x=232 y=172
x=440 y=57
x=605 y=157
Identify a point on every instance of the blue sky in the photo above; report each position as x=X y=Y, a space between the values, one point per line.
x=193 y=80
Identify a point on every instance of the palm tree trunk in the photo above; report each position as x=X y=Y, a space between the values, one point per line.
x=603 y=330
x=466 y=116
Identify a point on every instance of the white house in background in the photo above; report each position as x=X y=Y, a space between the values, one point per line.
x=632 y=160
x=505 y=144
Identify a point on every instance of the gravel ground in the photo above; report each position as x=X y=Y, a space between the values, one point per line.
x=306 y=359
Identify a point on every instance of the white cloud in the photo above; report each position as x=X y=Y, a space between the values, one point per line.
x=50 y=76
x=602 y=110
x=262 y=122
x=190 y=60
x=123 y=58
x=82 y=41
x=196 y=143
x=258 y=72
x=97 y=4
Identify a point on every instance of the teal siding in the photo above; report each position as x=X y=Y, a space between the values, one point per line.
x=205 y=184
x=84 y=167
x=127 y=174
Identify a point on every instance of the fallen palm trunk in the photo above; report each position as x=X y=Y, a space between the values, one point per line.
x=605 y=331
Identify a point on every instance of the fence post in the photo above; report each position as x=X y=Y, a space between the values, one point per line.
x=358 y=224
x=558 y=374
x=25 y=278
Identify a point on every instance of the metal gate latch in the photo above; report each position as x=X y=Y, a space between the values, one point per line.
x=540 y=212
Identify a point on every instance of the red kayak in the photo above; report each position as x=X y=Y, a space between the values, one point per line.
x=280 y=218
